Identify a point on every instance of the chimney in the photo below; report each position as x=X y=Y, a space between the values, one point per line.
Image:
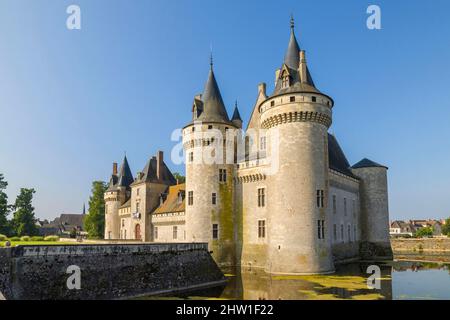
x=114 y=169
x=277 y=75
x=262 y=89
x=302 y=67
x=159 y=165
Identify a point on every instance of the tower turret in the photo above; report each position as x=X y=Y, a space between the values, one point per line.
x=236 y=118
x=375 y=242
x=297 y=117
x=209 y=176
x=118 y=193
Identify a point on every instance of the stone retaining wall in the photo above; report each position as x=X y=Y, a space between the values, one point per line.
x=107 y=271
x=421 y=245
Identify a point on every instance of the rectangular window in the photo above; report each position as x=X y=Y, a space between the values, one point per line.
x=320 y=198
x=137 y=191
x=334 y=204
x=354 y=208
x=210 y=127
x=342 y=232
x=215 y=231
x=292 y=99
x=175 y=232
x=262 y=145
x=345 y=206
x=261 y=229
x=155 y=232
x=334 y=232
x=191 y=157
x=314 y=99
x=222 y=175
x=125 y=233
x=349 y=234
x=261 y=197
x=272 y=103
x=138 y=207
x=190 y=198
x=354 y=233
x=321 y=229
x=213 y=198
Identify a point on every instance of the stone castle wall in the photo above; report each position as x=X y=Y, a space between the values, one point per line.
x=107 y=271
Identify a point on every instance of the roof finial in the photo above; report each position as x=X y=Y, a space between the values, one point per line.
x=292 y=22
x=235 y=104
x=211 y=58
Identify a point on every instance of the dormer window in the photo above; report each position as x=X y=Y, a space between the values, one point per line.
x=285 y=80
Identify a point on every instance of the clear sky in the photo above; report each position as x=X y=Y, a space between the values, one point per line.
x=73 y=101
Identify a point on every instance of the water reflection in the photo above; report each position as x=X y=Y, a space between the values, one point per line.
x=399 y=280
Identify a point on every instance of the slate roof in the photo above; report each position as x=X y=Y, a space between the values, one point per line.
x=236 y=114
x=366 y=163
x=213 y=107
x=126 y=204
x=124 y=177
x=336 y=157
x=172 y=202
x=291 y=63
x=148 y=174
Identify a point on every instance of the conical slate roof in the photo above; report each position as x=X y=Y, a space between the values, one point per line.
x=213 y=107
x=125 y=177
x=366 y=163
x=236 y=114
x=291 y=65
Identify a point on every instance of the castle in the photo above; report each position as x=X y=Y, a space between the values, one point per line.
x=279 y=195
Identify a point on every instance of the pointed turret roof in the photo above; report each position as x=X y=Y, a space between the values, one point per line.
x=125 y=177
x=291 y=64
x=213 y=107
x=236 y=114
x=366 y=163
x=292 y=58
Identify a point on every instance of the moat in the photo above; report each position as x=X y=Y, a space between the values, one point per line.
x=405 y=279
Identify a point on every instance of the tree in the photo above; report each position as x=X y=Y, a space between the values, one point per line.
x=446 y=227
x=424 y=232
x=179 y=177
x=94 y=223
x=4 y=207
x=23 y=221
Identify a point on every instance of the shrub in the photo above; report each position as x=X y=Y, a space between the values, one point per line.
x=14 y=239
x=51 y=238
x=3 y=237
x=37 y=238
x=25 y=238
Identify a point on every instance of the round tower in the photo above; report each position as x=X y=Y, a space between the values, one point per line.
x=297 y=117
x=209 y=175
x=118 y=193
x=374 y=209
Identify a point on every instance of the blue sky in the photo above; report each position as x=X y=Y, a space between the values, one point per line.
x=72 y=102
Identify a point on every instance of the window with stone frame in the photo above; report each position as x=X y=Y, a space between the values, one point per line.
x=222 y=175
x=334 y=204
x=215 y=231
x=190 y=198
x=175 y=232
x=261 y=197
x=213 y=198
x=320 y=198
x=261 y=229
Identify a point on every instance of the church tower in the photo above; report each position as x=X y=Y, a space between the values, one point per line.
x=297 y=117
x=210 y=173
x=117 y=194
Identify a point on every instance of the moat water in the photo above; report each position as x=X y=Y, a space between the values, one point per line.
x=409 y=277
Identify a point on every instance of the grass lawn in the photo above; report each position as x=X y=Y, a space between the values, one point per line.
x=37 y=243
